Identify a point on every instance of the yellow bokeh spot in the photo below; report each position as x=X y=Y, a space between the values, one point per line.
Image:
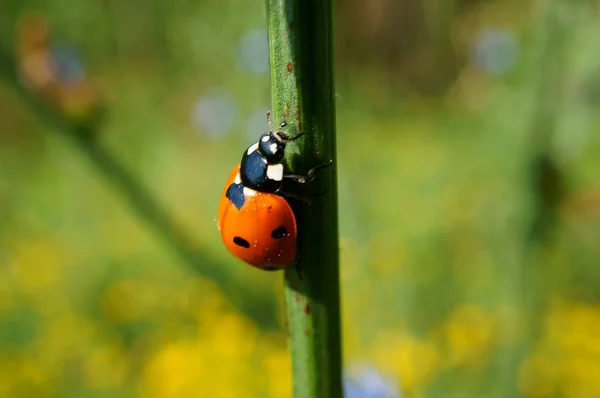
x=278 y=368
x=106 y=368
x=414 y=360
x=220 y=361
x=175 y=371
x=234 y=335
x=15 y=373
x=537 y=377
x=469 y=334
x=566 y=360
x=37 y=264
x=574 y=327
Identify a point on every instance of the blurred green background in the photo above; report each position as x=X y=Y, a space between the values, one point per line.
x=468 y=182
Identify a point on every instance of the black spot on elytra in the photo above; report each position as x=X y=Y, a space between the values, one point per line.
x=241 y=242
x=279 y=232
x=235 y=193
x=270 y=269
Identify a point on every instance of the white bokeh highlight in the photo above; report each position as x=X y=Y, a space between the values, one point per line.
x=214 y=114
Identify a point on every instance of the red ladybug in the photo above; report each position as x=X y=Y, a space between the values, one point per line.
x=256 y=221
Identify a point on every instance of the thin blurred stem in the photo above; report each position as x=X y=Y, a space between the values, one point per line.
x=301 y=57
x=530 y=283
x=547 y=181
x=260 y=307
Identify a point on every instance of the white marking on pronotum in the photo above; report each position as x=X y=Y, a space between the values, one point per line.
x=249 y=192
x=237 y=179
x=273 y=147
x=253 y=148
x=275 y=172
x=265 y=138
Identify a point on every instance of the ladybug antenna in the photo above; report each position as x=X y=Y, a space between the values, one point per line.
x=269 y=121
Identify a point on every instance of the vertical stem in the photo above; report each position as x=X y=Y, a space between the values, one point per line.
x=547 y=181
x=530 y=281
x=301 y=59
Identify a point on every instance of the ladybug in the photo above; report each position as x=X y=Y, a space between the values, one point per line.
x=255 y=219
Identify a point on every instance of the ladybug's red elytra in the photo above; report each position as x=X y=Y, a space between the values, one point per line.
x=256 y=221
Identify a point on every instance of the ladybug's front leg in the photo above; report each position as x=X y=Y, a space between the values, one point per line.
x=293 y=192
x=310 y=176
x=304 y=198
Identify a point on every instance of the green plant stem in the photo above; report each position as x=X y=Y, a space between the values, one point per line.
x=301 y=59
x=530 y=283
x=547 y=182
x=260 y=307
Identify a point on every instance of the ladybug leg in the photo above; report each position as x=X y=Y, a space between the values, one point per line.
x=292 y=138
x=288 y=194
x=286 y=139
x=295 y=137
x=310 y=175
x=304 y=198
x=291 y=192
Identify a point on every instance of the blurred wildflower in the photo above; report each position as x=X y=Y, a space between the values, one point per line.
x=36 y=264
x=365 y=381
x=33 y=42
x=538 y=376
x=68 y=65
x=223 y=360
x=415 y=361
x=277 y=365
x=496 y=51
x=106 y=367
x=234 y=335
x=468 y=335
x=54 y=72
x=214 y=114
x=567 y=357
x=20 y=377
x=253 y=52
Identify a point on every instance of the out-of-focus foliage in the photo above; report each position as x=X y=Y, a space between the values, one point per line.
x=442 y=296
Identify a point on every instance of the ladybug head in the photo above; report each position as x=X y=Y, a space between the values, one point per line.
x=272 y=144
x=272 y=147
